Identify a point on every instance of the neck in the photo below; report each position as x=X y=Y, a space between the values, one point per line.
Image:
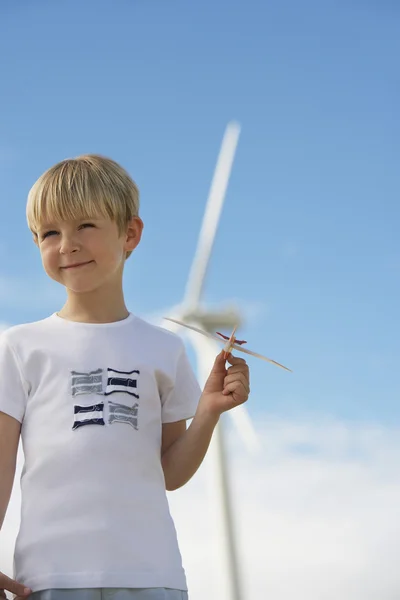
x=99 y=306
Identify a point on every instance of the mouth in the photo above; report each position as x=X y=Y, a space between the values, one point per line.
x=77 y=265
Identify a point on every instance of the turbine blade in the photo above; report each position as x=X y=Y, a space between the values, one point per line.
x=209 y=335
x=241 y=349
x=211 y=217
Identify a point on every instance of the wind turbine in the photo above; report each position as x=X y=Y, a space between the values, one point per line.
x=192 y=311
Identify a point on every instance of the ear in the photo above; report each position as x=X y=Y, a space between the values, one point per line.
x=133 y=234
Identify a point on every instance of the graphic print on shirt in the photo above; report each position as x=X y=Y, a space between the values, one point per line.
x=118 y=382
x=119 y=413
x=88 y=415
x=87 y=383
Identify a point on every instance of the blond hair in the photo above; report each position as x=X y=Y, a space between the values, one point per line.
x=87 y=186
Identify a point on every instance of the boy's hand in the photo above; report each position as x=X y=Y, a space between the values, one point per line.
x=226 y=388
x=9 y=585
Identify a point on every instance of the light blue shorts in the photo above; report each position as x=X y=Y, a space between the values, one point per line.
x=110 y=594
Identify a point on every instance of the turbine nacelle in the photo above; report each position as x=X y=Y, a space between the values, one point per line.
x=210 y=319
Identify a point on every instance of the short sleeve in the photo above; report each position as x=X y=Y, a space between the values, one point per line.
x=13 y=392
x=181 y=400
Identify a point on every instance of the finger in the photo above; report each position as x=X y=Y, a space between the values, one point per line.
x=235 y=360
x=241 y=368
x=239 y=377
x=10 y=585
x=237 y=391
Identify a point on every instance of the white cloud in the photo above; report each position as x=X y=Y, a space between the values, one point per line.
x=317 y=515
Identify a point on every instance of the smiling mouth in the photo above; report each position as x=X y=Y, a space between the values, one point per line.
x=77 y=265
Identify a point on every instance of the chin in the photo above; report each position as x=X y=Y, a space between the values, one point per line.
x=82 y=288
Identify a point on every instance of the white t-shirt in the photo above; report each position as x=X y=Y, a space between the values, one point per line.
x=92 y=399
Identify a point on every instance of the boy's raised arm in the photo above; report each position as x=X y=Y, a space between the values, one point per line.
x=224 y=389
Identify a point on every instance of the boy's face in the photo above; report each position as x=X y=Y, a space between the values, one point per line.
x=86 y=254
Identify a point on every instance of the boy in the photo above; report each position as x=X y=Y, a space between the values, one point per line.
x=100 y=399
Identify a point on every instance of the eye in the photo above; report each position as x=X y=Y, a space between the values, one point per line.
x=84 y=225
x=47 y=233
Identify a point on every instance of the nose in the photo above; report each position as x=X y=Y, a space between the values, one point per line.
x=69 y=244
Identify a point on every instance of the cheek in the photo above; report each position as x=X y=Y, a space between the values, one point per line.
x=109 y=253
x=49 y=258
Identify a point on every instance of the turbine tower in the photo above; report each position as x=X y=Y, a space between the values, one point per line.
x=192 y=311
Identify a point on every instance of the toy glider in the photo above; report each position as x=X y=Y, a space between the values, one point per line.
x=231 y=342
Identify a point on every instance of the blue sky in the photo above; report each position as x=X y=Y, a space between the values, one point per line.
x=308 y=241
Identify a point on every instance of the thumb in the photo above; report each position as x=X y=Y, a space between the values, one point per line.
x=219 y=362
x=217 y=372
x=6 y=583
